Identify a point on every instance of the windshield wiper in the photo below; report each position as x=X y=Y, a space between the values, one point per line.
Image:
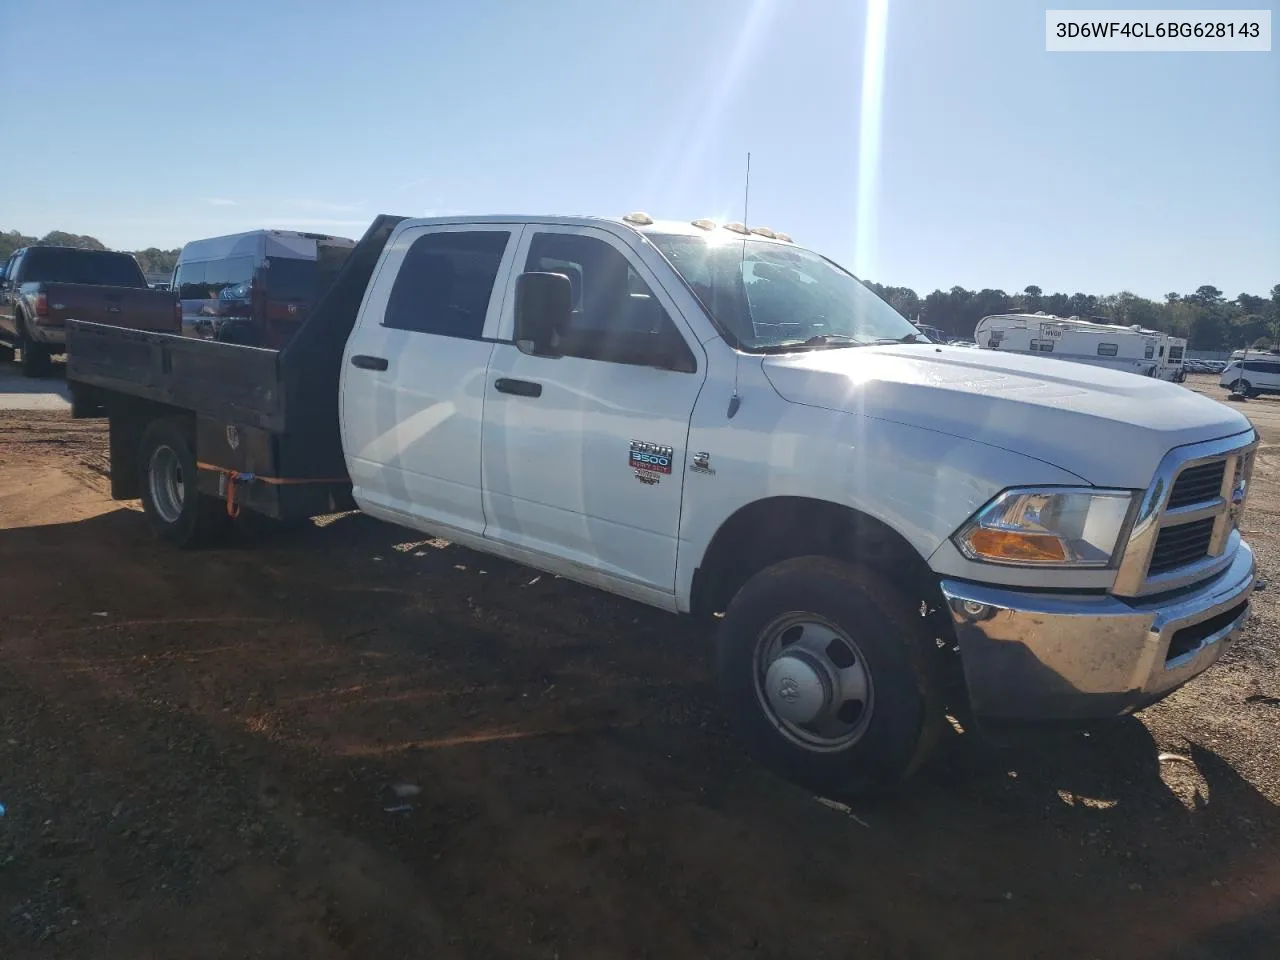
x=814 y=342
x=909 y=338
x=828 y=339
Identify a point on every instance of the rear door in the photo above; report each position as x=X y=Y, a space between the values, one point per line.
x=413 y=376
x=1268 y=377
x=584 y=454
x=289 y=290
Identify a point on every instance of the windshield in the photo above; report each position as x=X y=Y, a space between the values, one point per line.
x=770 y=296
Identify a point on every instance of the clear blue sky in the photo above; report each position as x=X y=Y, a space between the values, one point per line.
x=991 y=163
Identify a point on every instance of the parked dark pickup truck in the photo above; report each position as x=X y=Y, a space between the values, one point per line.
x=41 y=288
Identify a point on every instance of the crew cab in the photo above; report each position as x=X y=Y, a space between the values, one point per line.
x=715 y=421
x=44 y=287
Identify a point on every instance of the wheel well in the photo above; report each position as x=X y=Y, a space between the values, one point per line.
x=779 y=528
x=128 y=419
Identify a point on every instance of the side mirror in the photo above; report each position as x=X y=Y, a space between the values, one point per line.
x=544 y=303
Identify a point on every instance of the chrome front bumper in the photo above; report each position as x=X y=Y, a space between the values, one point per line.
x=1041 y=656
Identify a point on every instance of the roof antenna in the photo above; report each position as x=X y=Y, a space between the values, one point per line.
x=735 y=401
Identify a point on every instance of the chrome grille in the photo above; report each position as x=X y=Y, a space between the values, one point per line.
x=1198 y=484
x=1180 y=545
x=1185 y=528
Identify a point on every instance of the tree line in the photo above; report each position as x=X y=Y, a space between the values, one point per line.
x=1206 y=317
x=152 y=259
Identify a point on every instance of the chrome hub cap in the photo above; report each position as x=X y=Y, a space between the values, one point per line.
x=167 y=487
x=813 y=682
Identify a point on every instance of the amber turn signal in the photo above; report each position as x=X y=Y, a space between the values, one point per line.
x=1016 y=547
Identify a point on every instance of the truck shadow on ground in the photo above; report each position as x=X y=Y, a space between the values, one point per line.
x=574 y=783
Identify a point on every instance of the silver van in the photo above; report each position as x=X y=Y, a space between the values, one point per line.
x=255 y=288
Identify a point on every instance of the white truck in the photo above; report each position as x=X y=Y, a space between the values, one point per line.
x=1149 y=353
x=724 y=424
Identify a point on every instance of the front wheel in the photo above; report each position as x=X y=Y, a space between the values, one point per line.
x=824 y=672
x=1242 y=387
x=176 y=510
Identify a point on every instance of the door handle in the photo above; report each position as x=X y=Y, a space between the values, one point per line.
x=521 y=388
x=365 y=362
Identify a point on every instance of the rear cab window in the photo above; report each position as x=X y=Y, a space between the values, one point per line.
x=288 y=278
x=98 y=267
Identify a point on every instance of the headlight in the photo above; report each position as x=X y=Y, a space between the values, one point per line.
x=1052 y=527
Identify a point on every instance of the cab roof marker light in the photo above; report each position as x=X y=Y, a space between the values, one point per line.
x=784 y=237
x=704 y=224
x=737 y=228
x=638 y=217
x=764 y=232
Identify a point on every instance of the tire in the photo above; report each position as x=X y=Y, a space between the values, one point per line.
x=82 y=408
x=882 y=727
x=1242 y=387
x=36 y=359
x=177 y=513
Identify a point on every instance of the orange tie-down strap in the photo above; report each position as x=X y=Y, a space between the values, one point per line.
x=235 y=477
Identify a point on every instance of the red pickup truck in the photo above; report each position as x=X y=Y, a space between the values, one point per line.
x=41 y=288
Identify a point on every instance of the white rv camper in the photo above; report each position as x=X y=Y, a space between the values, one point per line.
x=1149 y=353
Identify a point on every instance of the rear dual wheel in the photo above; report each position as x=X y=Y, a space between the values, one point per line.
x=177 y=512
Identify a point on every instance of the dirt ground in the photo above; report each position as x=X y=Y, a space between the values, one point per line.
x=347 y=743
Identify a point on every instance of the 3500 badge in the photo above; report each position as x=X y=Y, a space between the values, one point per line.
x=650 y=457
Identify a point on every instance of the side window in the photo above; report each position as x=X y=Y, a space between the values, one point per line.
x=445 y=282
x=220 y=275
x=1109 y=349
x=190 y=280
x=1253 y=366
x=996 y=338
x=1270 y=366
x=615 y=315
x=1151 y=351
x=1042 y=346
x=15 y=268
x=1175 y=354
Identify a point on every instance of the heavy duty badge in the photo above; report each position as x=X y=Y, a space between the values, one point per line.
x=649 y=460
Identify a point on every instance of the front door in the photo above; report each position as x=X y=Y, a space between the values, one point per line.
x=584 y=454
x=413 y=376
x=8 y=298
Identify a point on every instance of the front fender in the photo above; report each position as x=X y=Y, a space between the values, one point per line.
x=920 y=483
